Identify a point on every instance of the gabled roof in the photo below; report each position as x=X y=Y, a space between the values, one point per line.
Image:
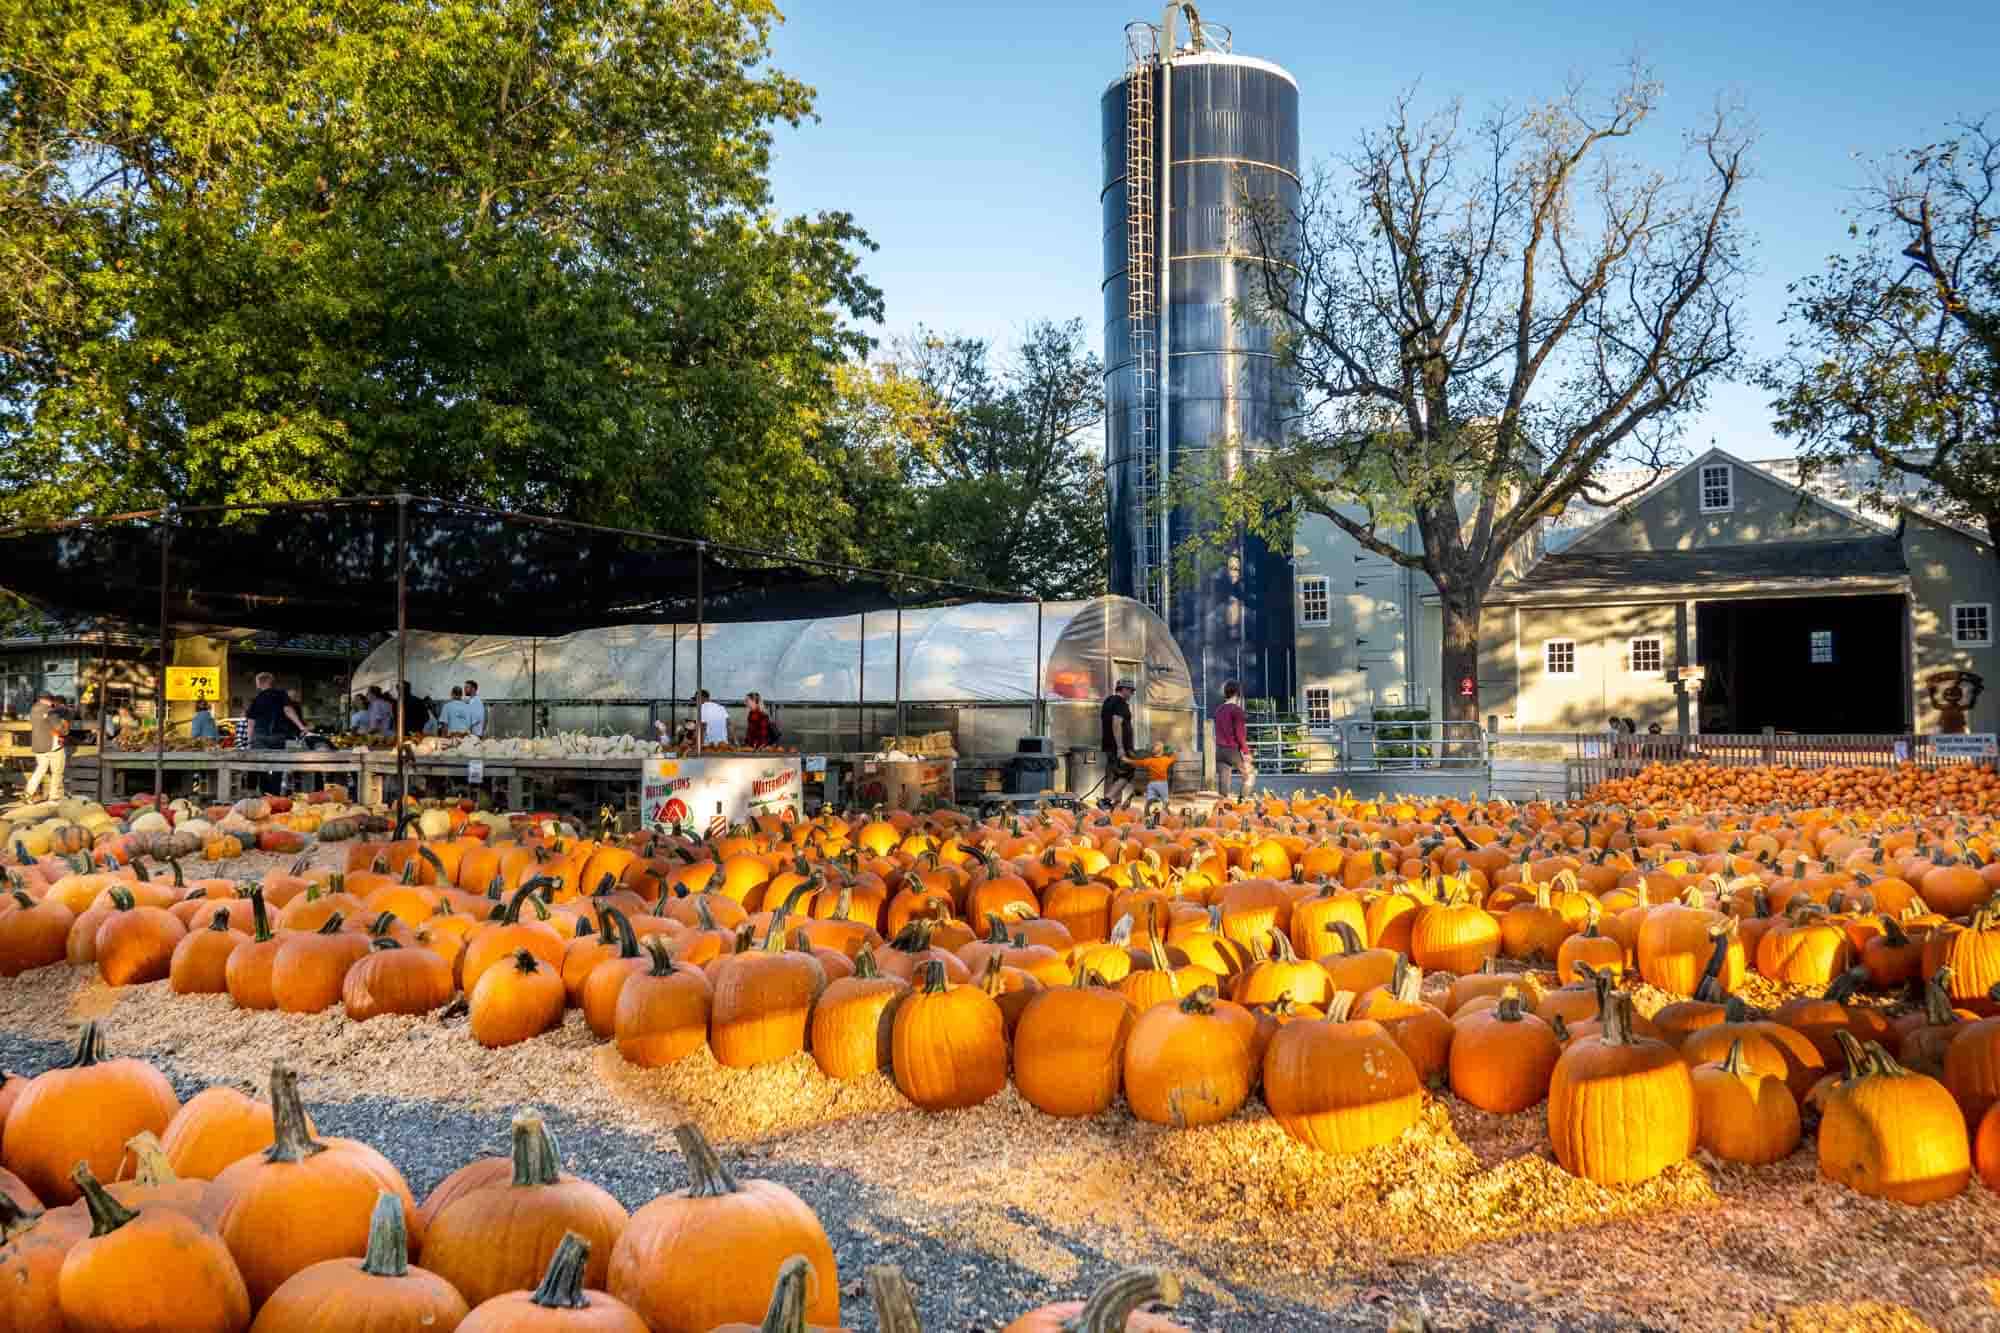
x=1764 y=568
x=1618 y=513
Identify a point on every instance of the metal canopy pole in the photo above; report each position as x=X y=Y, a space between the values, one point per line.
x=674 y=685
x=103 y=702
x=402 y=647
x=1041 y=703
x=861 y=689
x=159 y=684
x=899 y=665
x=700 y=632
x=534 y=686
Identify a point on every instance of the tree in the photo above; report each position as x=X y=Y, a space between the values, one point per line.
x=1475 y=321
x=1893 y=365
x=510 y=251
x=962 y=463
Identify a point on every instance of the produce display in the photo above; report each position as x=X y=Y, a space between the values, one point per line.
x=501 y=1245
x=1961 y=788
x=1331 y=963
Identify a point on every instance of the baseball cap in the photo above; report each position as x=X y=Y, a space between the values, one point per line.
x=1125 y=683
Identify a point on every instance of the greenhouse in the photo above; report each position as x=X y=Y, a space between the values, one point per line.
x=837 y=684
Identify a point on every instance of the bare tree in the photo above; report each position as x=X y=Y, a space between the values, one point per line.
x=1476 y=320
x=1893 y=367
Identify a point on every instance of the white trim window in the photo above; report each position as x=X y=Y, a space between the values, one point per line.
x=1819 y=647
x=1972 y=624
x=1559 y=657
x=1718 y=488
x=1646 y=657
x=1315 y=600
x=1319 y=706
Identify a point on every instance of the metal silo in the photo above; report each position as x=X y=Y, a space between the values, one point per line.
x=1189 y=128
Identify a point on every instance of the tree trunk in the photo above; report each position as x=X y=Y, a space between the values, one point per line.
x=1459 y=678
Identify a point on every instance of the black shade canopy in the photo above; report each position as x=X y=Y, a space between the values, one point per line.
x=330 y=568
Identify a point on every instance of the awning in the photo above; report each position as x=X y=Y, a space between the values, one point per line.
x=331 y=568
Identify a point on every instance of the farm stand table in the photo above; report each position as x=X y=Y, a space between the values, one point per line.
x=214 y=772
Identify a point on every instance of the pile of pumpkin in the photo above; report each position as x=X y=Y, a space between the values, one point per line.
x=1183 y=966
x=1960 y=788
x=198 y=1229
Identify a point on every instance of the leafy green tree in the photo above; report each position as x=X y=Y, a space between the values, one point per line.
x=512 y=251
x=1892 y=372
x=1014 y=481
x=1477 y=319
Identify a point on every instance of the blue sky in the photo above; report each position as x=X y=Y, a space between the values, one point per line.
x=965 y=137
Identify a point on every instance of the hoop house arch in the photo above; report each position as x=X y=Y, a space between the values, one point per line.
x=969 y=668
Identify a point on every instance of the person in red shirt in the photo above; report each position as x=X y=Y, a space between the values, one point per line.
x=1232 y=742
x=757 y=729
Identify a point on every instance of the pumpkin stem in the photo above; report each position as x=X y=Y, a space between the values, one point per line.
x=1202 y=1001
x=1509 y=1009
x=934 y=978
x=1732 y=1063
x=787 y=1311
x=1341 y=1007
x=1112 y=1305
x=106 y=1213
x=526 y=963
x=388 y=1239
x=864 y=965
x=562 y=1285
x=293 y=1141
x=14 y=1219
x=895 y=1303
x=152 y=1166
x=708 y=1178
x=89 y=1049
x=1617 y=1017
x=536 y=1161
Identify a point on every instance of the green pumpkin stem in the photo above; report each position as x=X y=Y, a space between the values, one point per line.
x=293 y=1141
x=787 y=1311
x=106 y=1213
x=562 y=1285
x=935 y=981
x=1732 y=1063
x=536 y=1161
x=663 y=962
x=708 y=1178
x=388 y=1239
x=261 y=918
x=1111 y=1306
x=864 y=965
x=895 y=1303
x=89 y=1048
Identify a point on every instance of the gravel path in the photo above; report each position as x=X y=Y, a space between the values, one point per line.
x=960 y=1290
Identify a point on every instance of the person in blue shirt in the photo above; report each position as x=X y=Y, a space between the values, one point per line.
x=203 y=727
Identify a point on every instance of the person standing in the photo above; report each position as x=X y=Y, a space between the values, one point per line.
x=475 y=709
x=202 y=726
x=714 y=720
x=1232 y=743
x=50 y=725
x=454 y=719
x=757 y=730
x=381 y=711
x=1116 y=719
x=274 y=718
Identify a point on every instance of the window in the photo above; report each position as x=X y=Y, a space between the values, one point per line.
x=1820 y=647
x=1718 y=488
x=1559 y=657
x=1646 y=657
x=1314 y=602
x=1972 y=624
x=1319 y=705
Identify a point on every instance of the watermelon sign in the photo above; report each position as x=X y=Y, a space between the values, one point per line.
x=678 y=793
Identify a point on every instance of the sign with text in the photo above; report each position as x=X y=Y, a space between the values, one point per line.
x=695 y=791
x=187 y=684
x=1977 y=745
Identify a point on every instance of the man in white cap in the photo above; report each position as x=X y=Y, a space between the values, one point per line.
x=1119 y=775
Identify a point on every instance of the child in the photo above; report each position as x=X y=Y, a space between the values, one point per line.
x=1158 y=767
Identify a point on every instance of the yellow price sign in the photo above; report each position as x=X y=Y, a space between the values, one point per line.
x=187 y=684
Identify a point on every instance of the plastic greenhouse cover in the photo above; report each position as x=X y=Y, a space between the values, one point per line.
x=978 y=652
